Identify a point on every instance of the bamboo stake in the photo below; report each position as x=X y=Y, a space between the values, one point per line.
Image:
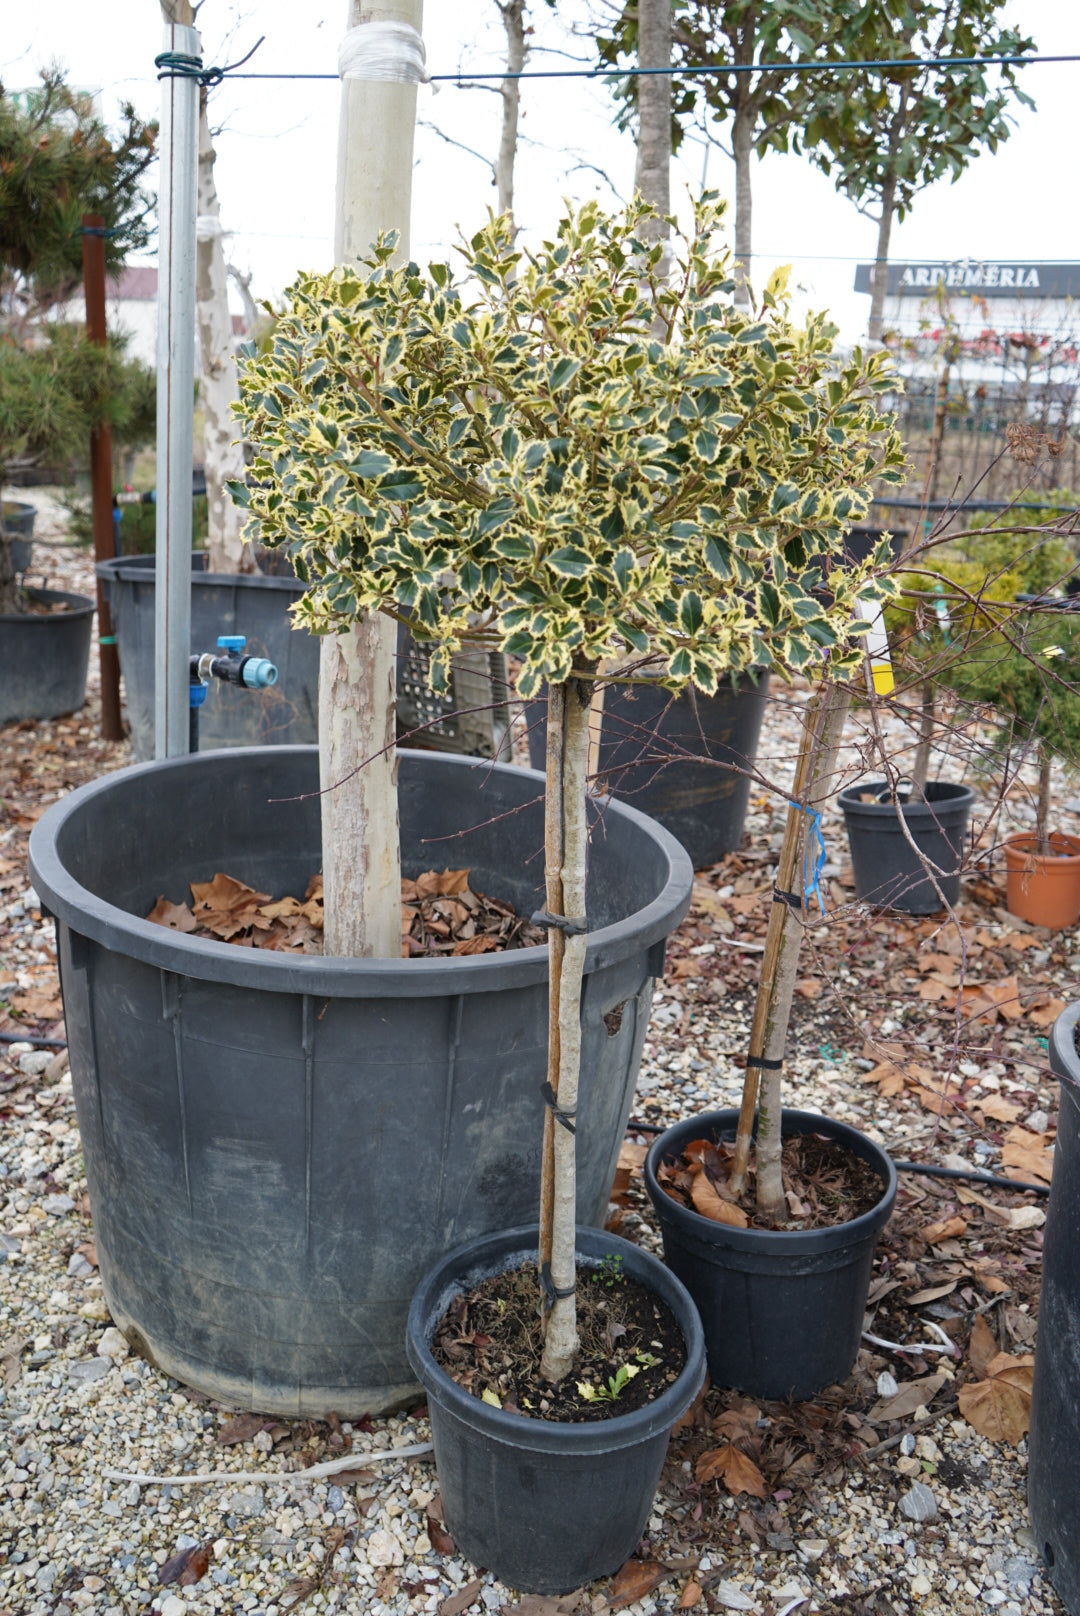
x=823 y=728
x=553 y=860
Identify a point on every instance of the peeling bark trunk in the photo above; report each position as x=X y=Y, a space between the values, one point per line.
x=652 y=171
x=243 y=286
x=361 y=860
x=513 y=16
x=223 y=455
x=742 y=145
x=823 y=730
x=880 y=275
x=561 y=1341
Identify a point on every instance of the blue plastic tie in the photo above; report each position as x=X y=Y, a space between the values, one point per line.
x=812 y=886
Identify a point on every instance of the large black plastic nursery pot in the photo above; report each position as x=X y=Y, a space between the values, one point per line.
x=546 y=1506
x=44 y=656
x=887 y=870
x=255 y=605
x=782 y=1310
x=703 y=806
x=1054 y=1437
x=277 y=1147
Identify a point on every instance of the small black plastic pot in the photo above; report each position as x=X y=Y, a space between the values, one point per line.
x=44 y=657
x=1054 y=1437
x=782 y=1311
x=887 y=871
x=702 y=805
x=861 y=542
x=546 y=1506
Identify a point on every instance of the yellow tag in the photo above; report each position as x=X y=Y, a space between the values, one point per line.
x=884 y=683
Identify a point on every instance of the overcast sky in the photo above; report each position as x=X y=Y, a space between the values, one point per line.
x=276 y=151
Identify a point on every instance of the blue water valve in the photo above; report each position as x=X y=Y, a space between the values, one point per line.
x=231 y=642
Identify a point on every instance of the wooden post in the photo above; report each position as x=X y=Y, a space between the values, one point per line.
x=101 y=490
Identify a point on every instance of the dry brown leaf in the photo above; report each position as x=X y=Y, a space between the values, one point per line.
x=177 y=916
x=88 y=1252
x=982 y=1348
x=636 y=1579
x=809 y=987
x=462 y=1599
x=912 y=1395
x=889 y=1077
x=682 y=968
x=188 y=1567
x=1044 y=1015
x=930 y=1100
x=932 y=1294
x=691 y=1595
x=731 y=1466
x=998 y=1108
x=948 y=1229
x=242 y=1429
x=712 y=1205
x=542 y=1605
x=1010 y=1217
x=935 y=988
x=999 y=1407
x=476 y=945
x=1026 y=1155
x=10 y=1353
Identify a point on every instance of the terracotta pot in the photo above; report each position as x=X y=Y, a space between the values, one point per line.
x=1044 y=888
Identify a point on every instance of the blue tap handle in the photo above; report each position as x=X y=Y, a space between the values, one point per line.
x=231 y=642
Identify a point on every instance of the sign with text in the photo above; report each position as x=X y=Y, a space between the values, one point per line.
x=986 y=278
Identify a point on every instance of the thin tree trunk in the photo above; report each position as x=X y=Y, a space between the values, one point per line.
x=822 y=734
x=652 y=171
x=561 y=1341
x=742 y=145
x=927 y=717
x=243 y=286
x=361 y=847
x=1042 y=812
x=223 y=454
x=513 y=16
x=553 y=862
x=881 y=261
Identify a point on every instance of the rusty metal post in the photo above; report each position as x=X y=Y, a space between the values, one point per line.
x=101 y=491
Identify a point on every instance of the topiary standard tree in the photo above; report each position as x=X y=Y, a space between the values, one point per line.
x=513 y=459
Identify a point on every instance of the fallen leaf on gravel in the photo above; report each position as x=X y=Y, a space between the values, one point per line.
x=187 y=1567
x=731 y=1466
x=912 y=1395
x=1044 y=1015
x=1027 y=1154
x=889 y=1077
x=441 y=1541
x=88 y=1252
x=691 y=1595
x=998 y=1108
x=242 y=1429
x=999 y=1407
x=1010 y=1217
x=948 y=1229
x=462 y=1599
x=542 y=1605
x=982 y=1348
x=934 y=1293
x=636 y=1579
x=683 y=968
x=712 y=1205
x=297 y=1590
x=809 y=987
x=10 y=1353
x=693 y=1413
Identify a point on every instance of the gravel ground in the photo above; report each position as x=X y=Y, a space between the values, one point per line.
x=833 y=1533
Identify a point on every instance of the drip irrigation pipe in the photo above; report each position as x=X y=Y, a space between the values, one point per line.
x=968 y=1174
x=31 y=1038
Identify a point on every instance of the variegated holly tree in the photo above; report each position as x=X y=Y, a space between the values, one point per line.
x=513 y=458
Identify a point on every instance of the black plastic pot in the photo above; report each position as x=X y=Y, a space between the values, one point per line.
x=221 y=603
x=546 y=1506
x=782 y=1311
x=861 y=542
x=887 y=870
x=278 y=1147
x=44 y=657
x=1054 y=1437
x=18 y=520
x=703 y=806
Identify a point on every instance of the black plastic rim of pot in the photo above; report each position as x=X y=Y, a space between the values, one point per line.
x=953 y=796
x=1054 y=1435
x=209 y=960
x=748 y=1269
x=18 y=518
x=140 y=569
x=547 y=1505
x=79 y=606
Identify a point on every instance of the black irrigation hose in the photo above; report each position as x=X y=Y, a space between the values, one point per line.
x=30 y=1038
x=903 y=1166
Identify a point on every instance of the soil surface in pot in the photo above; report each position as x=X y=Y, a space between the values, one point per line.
x=440 y=914
x=825 y=1184
x=491 y=1341
x=29 y=606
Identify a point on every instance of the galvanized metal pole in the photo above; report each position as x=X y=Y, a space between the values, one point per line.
x=175 y=387
x=101 y=486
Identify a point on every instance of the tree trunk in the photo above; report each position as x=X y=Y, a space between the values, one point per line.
x=553 y=862
x=513 y=16
x=652 y=171
x=361 y=847
x=742 y=145
x=561 y=1341
x=881 y=262
x=1042 y=812
x=9 y=594
x=223 y=454
x=927 y=716
x=243 y=286
x=822 y=734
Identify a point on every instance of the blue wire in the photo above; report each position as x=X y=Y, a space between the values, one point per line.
x=812 y=887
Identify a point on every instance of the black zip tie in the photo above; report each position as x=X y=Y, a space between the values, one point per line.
x=552 y=1293
x=565 y=923
x=792 y=899
x=764 y=1065
x=552 y=1103
x=178 y=65
x=100 y=230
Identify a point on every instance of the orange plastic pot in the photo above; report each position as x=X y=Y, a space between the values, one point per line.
x=1044 y=888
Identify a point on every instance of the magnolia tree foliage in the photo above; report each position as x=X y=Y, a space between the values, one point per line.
x=511 y=457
